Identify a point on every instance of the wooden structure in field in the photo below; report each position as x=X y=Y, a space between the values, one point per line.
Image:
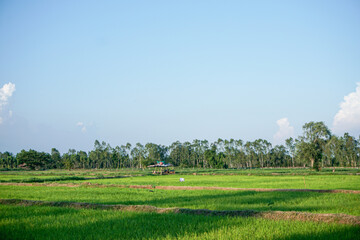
x=162 y=168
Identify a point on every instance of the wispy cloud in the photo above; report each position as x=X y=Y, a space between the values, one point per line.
x=285 y=131
x=6 y=91
x=347 y=119
x=82 y=126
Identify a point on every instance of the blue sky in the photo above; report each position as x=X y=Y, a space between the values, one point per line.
x=161 y=71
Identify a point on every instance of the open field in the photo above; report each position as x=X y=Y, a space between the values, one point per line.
x=242 y=181
x=41 y=222
x=66 y=223
x=270 y=171
x=55 y=175
x=194 y=199
x=91 y=173
x=302 y=178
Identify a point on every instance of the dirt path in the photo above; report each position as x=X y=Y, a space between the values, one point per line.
x=275 y=215
x=87 y=184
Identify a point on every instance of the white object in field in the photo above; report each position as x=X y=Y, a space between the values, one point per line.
x=182 y=179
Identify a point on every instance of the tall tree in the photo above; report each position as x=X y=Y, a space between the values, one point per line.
x=215 y=160
x=313 y=141
x=82 y=157
x=33 y=159
x=7 y=160
x=278 y=156
x=56 y=158
x=175 y=153
x=138 y=154
x=290 y=145
x=350 y=145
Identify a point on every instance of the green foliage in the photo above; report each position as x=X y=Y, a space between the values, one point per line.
x=7 y=160
x=215 y=160
x=278 y=156
x=312 y=144
x=316 y=148
x=33 y=159
x=56 y=158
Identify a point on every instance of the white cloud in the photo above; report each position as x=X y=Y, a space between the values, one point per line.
x=285 y=131
x=347 y=119
x=6 y=91
x=82 y=126
x=10 y=114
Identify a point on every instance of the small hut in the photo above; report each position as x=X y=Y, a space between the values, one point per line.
x=162 y=168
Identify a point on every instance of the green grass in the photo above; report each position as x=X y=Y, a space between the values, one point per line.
x=350 y=182
x=11 y=177
x=195 y=199
x=61 y=175
x=93 y=173
x=185 y=171
x=270 y=171
x=22 y=179
x=65 y=223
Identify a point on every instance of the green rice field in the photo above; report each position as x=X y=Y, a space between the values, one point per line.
x=350 y=182
x=65 y=223
x=194 y=199
x=133 y=177
x=45 y=222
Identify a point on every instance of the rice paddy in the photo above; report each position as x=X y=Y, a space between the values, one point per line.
x=44 y=222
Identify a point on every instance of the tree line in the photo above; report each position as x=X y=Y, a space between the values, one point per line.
x=316 y=148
